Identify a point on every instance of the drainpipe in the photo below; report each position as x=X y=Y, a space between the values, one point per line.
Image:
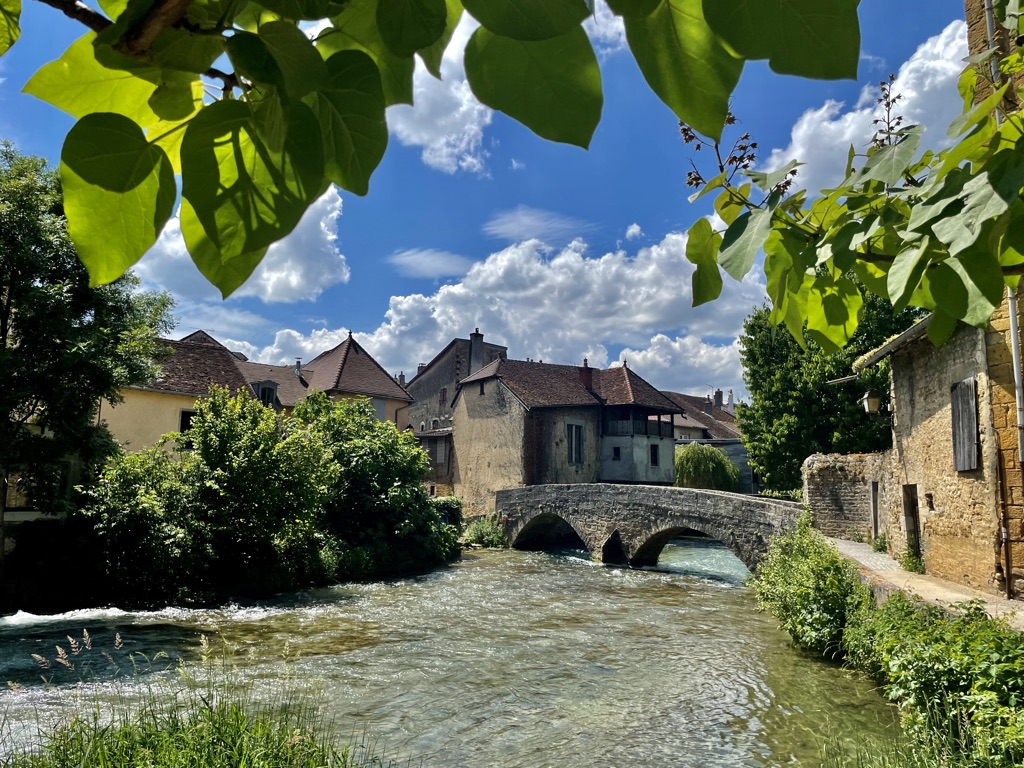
x=1011 y=305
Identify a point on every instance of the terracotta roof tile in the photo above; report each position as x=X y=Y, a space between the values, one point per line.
x=350 y=368
x=193 y=367
x=623 y=386
x=290 y=388
x=720 y=424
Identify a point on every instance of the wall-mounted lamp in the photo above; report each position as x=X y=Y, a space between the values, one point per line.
x=871 y=401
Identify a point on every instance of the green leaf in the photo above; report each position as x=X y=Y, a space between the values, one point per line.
x=702 y=244
x=119 y=192
x=528 y=19
x=245 y=194
x=79 y=85
x=252 y=59
x=633 y=7
x=982 y=277
x=808 y=38
x=351 y=115
x=10 y=23
x=355 y=29
x=729 y=204
x=173 y=101
x=743 y=239
x=685 y=63
x=307 y=10
x=888 y=164
x=553 y=87
x=977 y=114
x=710 y=186
x=906 y=271
x=405 y=26
x=834 y=306
x=167 y=134
x=433 y=54
x=767 y=181
x=941 y=326
x=226 y=274
x=182 y=50
x=302 y=67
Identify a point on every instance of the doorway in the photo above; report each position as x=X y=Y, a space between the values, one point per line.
x=912 y=520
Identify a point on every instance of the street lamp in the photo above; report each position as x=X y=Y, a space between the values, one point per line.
x=871 y=401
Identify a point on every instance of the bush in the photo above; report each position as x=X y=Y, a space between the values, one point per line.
x=704 y=466
x=808 y=587
x=485 y=532
x=794 y=494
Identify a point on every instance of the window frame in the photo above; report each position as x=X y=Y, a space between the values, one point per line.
x=575 y=440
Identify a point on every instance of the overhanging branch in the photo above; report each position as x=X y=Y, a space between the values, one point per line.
x=79 y=11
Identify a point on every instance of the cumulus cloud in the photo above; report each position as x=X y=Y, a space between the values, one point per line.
x=429 y=262
x=445 y=120
x=297 y=268
x=606 y=31
x=526 y=223
x=516 y=165
x=633 y=231
x=687 y=364
x=927 y=82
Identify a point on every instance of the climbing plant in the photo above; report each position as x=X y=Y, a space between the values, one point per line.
x=258 y=105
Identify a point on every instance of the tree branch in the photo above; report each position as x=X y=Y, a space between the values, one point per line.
x=162 y=15
x=79 y=11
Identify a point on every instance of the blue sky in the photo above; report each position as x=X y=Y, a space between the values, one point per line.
x=559 y=253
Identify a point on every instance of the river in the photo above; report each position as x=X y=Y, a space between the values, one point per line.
x=506 y=659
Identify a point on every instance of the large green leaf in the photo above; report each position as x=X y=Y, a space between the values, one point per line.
x=252 y=59
x=906 y=271
x=982 y=277
x=834 y=307
x=302 y=67
x=167 y=134
x=889 y=163
x=702 y=244
x=809 y=38
x=743 y=239
x=528 y=19
x=685 y=63
x=10 y=23
x=226 y=274
x=553 y=87
x=355 y=29
x=434 y=53
x=633 y=7
x=407 y=25
x=310 y=10
x=79 y=85
x=245 y=194
x=183 y=50
x=119 y=192
x=351 y=114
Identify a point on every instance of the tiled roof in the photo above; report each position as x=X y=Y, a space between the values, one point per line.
x=195 y=366
x=350 y=368
x=202 y=337
x=622 y=386
x=290 y=388
x=720 y=424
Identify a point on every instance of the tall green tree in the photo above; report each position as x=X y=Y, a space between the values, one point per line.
x=793 y=412
x=64 y=343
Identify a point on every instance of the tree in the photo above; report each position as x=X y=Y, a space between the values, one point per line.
x=257 y=141
x=704 y=466
x=63 y=343
x=793 y=412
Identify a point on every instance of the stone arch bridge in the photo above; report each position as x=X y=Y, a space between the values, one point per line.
x=630 y=524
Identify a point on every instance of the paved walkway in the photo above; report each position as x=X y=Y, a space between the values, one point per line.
x=886 y=571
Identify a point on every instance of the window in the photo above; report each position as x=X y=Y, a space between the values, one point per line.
x=266 y=391
x=379 y=408
x=655 y=454
x=616 y=453
x=442 y=396
x=423 y=426
x=481 y=387
x=435 y=424
x=574 y=436
x=185 y=420
x=965 y=425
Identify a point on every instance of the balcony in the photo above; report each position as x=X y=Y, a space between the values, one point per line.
x=631 y=427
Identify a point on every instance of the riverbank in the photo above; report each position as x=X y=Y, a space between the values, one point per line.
x=885 y=574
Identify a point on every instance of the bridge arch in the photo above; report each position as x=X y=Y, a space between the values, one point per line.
x=546 y=529
x=647 y=552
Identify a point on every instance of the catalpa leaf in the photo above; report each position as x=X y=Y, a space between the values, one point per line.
x=528 y=19
x=906 y=272
x=941 y=326
x=227 y=274
x=183 y=50
x=685 y=63
x=834 y=307
x=10 y=24
x=167 y=134
x=302 y=67
x=553 y=87
x=245 y=194
x=355 y=29
x=304 y=10
x=889 y=163
x=119 y=191
x=767 y=181
x=702 y=244
x=253 y=60
x=743 y=239
x=982 y=278
x=405 y=26
x=434 y=53
x=633 y=7
x=808 y=38
x=351 y=115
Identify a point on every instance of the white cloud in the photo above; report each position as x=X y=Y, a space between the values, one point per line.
x=633 y=231
x=517 y=165
x=525 y=223
x=445 y=120
x=927 y=82
x=687 y=364
x=428 y=262
x=218 y=319
x=297 y=268
x=606 y=31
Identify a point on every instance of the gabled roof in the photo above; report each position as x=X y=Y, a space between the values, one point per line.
x=350 y=368
x=202 y=337
x=448 y=348
x=623 y=386
x=720 y=424
x=290 y=388
x=195 y=366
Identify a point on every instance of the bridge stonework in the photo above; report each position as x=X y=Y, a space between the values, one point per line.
x=630 y=524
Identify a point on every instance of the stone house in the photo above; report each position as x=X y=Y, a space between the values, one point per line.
x=198 y=362
x=519 y=422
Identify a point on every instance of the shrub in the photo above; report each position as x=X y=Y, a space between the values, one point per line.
x=704 y=466
x=808 y=587
x=794 y=494
x=485 y=532
x=909 y=561
x=881 y=542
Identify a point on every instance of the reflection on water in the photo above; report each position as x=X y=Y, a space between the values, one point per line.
x=510 y=659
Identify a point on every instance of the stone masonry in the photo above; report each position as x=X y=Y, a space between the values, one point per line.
x=838 y=488
x=632 y=523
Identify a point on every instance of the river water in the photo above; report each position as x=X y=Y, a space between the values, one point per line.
x=506 y=659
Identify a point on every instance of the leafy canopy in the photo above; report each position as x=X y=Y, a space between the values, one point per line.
x=257 y=118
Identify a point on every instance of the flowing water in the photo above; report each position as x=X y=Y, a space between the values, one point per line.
x=505 y=659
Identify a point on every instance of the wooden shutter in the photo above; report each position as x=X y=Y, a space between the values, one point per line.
x=962 y=396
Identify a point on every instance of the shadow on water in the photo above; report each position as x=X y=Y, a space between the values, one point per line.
x=701 y=557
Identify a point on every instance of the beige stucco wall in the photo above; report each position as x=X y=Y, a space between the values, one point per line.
x=488 y=436
x=547 y=447
x=143 y=417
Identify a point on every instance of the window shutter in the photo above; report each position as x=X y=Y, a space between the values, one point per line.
x=963 y=400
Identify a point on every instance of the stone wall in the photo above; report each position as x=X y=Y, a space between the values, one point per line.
x=846 y=492
x=445 y=372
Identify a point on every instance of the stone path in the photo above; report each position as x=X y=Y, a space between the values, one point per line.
x=886 y=572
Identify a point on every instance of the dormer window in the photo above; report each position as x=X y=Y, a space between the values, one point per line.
x=266 y=391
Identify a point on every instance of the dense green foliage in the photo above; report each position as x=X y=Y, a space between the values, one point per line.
x=704 y=466
x=259 y=503
x=485 y=532
x=957 y=678
x=793 y=412
x=63 y=344
x=258 y=137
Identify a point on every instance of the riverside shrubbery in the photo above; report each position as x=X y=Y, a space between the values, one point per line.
x=704 y=466
x=249 y=502
x=957 y=678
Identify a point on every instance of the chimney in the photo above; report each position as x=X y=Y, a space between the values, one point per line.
x=476 y=351
x=400 y=378
x=730 y=405
x=298 y=367
x=420 y=367
x=708 y=406
x=587 y=375
x=718 y=399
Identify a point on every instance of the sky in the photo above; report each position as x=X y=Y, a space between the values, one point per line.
x=556 y=252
